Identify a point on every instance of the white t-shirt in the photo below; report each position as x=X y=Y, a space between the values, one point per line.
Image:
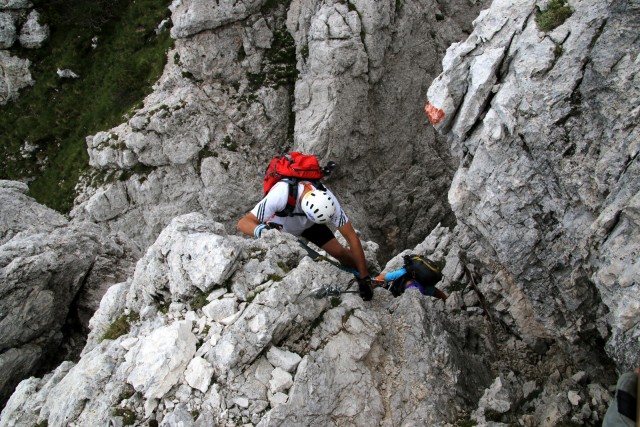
x=276 y=200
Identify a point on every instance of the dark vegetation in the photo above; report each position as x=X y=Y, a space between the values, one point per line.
x=55 y=115
x=120 y=326
x=556 y=13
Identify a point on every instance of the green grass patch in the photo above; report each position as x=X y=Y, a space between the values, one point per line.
x=164 y=307
x=126 y=393
x=43 y=423
x=284 y=267
x=456 y=286
x=55 y=115
x=556 y=13
x=121 y=326
x=128 y=416
x=316 y=322
x=274 y=277
x=440 y=264
x=279 y=65
x=269 y=5
x=558 y=50
x=199 y=300
x=346 y=316
x=335 y=301
x=465 y=422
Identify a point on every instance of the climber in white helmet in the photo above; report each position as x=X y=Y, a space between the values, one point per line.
x=307 y=216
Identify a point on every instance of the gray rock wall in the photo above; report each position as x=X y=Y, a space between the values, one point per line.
x=538 y=162
x=18 y=25
x=52 y=273
x=545 y=127
x=224 y=330
x=345 y=81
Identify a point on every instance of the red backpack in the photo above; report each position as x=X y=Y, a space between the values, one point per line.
x=294 y=167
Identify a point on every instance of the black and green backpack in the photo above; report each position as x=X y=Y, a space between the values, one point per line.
x=421 y=269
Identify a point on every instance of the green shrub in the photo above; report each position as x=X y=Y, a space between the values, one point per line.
x=164 y=307
x=121 y=326
x=457 y=286
x=198 y=301
x=128 y=416
x=556 y=13
x=274 y=277
x=284 y=267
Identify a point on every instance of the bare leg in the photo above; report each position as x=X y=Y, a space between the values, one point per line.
x=339 y=252
x=440 y=294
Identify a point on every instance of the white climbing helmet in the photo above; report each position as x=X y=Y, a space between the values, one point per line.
x=319 y=206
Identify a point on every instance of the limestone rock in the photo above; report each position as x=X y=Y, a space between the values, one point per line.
x=15 y=4
x=66 y=74
x=363 y=362
x=547 y=184
x=283 y=359
x=193 y=16
x=220 y=309
x=8 y=30
x=46 y=264
x=188 y=256
x=223 y=106
x=539 y=168
x=161 y=359
x=20 y=213
x=281 y=381
x=199 y=374
x=33 y=34
x=14 y=75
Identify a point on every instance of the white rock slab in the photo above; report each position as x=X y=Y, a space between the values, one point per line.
x=199 y=374
x=281 y=380
x=283 y=359
x=162 y=359
x=220 y=309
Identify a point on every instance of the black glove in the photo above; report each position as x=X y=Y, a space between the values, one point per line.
x=273 y=225
x=365 y=288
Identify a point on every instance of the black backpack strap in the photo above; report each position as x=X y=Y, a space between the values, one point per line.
x=291 y=199
x=293 y=196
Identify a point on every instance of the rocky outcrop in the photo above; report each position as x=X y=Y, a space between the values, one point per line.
x=52 y=274
x=545 y=127
x=217 y=329
x=253 y=79
x=18 y=24
x=33 y=34
x=15 y=4
x=195 y=143
x=14 y=75
x=220 y=330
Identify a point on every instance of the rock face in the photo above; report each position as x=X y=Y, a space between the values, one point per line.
x=33 y=34
x=46 y=265
x=545 y=127
x=218 y=329
x=286 y=357
x=18 y=23
x=14 y=75
x=224 y=107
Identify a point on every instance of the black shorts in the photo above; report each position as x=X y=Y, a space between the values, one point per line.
x=318 y=234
